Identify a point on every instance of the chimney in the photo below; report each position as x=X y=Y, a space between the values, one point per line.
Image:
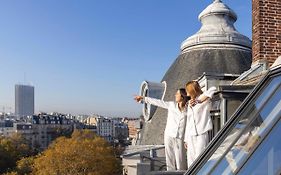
x=266 y=30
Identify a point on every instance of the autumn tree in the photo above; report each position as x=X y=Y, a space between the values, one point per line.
x=24 y=167
x=84 y=153
x=12 y=149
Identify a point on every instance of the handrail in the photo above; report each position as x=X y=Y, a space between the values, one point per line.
x=153 y=159
x=139 y=152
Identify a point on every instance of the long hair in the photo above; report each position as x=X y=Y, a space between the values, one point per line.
x=193 y=88
x=184 y=96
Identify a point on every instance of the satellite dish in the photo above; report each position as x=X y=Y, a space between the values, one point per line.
x=154 y=90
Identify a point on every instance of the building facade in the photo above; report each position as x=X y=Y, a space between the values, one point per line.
x=24 y=100
x=40 y=130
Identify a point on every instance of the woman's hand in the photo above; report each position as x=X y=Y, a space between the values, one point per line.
x=193 y=102
x=185 y=145
x=138 y=98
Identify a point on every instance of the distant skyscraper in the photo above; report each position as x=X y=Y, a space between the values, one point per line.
x=24 y=100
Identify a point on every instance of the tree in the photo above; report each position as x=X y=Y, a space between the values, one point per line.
x=13 y=149
x=24 y=166
x=83 y=153
x=6 y=161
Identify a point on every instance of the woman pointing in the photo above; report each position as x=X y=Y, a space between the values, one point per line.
x=175 y=128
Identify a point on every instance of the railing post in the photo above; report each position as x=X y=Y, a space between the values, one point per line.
x=152 y=154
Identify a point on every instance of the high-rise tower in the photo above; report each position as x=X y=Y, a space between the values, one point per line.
x=24 y=100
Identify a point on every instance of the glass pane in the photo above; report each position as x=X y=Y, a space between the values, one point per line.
x=267 y=91
x=267 y=158
x=247 y=114
x=254 y=132
x=222 y=148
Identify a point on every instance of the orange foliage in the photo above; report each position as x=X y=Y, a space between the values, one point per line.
x=83 y=153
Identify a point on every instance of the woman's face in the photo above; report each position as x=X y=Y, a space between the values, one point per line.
x=178 y=97
x=190 y=91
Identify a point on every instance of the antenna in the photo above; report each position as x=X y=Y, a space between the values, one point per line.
x=24 y=76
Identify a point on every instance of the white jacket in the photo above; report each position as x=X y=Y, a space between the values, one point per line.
x=176 y=119
x=198 y=117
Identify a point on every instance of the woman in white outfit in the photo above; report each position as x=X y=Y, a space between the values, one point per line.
x=198 y=120
x=175 y=127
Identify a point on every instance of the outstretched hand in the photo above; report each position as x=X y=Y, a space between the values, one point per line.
x=138 y=98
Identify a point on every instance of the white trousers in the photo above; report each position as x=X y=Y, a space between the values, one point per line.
x=175 y=153
x=195 y=146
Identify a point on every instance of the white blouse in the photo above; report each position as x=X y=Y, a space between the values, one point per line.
x=198 y=117
x=176 y=119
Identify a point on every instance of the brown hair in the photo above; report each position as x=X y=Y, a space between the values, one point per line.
x=184 y=97
x=193 y=88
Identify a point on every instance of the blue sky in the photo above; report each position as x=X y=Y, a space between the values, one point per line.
x=90 y=56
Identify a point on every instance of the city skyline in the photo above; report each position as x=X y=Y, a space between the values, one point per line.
x=90 y=57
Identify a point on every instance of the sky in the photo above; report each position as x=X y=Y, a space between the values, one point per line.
x=91 y=56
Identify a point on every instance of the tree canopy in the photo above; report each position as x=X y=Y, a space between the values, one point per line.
x=83 y=153
x=12 y=149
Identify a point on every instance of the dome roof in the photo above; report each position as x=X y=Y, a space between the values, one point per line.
x=189 y=66
x=217 y=27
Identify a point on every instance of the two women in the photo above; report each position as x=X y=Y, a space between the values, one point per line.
x=175 y=128
x=190 y=122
